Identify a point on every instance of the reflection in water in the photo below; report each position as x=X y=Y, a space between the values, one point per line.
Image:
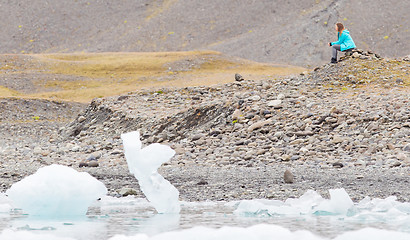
x=80 y=228
x=130 y=216
x=160 y=223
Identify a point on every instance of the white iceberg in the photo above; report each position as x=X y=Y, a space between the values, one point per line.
x=56 y=191
x=144 y=164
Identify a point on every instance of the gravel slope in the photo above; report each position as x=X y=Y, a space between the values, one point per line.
x=294 y=32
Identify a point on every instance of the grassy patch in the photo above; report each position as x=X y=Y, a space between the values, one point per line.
x=84 y=76
x=5 y=92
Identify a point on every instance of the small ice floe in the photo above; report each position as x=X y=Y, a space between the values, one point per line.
x=387 y=210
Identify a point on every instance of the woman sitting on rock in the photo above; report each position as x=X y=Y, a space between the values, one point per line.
x=345 y=42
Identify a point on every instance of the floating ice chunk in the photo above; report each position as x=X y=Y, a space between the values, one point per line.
x=144 y=163
x=368 y=210
x=339 y=203
x=263 y=206
x=299 y=206
x=306 y=203
x=386 y=210
x=383 y=205
x=56 y=191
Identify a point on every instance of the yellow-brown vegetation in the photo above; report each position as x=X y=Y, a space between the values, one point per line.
x=84 y=76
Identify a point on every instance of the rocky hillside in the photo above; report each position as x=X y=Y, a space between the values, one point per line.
x=281 y=31
x=353 y=113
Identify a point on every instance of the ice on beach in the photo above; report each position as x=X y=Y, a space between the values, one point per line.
x=264 y=232
x=56 y=191
x=144 y=164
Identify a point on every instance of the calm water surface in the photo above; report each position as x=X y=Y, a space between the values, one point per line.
x=129 y=216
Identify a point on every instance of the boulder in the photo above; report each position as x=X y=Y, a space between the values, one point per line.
x=288 y=177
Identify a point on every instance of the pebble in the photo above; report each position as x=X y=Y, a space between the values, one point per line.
x=237 y=114
x=93 y=164
x=286 y=158
x=81 y=119
x=37 y=150
x=116 y=152
x=197 y=136
x=258 y=125
x=280 y=96
x=202 y=182
x=96 y=155
x=238 y=77
x=255 y=98
x=338 y=165
x=83 y=164
x=125 y=191
x=337 y=139
x=395 y=163
x=401 y=156
x=275 y=103
x=45 y=153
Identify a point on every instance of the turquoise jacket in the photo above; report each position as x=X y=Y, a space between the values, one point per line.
x=345 y=41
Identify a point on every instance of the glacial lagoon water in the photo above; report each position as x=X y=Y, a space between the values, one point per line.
x=135 y=218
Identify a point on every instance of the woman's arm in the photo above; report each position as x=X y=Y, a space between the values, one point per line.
x=340 y=40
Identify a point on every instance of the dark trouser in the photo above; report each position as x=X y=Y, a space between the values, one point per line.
x=335 y=48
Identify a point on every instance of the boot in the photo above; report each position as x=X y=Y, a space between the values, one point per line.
x=333 y=60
